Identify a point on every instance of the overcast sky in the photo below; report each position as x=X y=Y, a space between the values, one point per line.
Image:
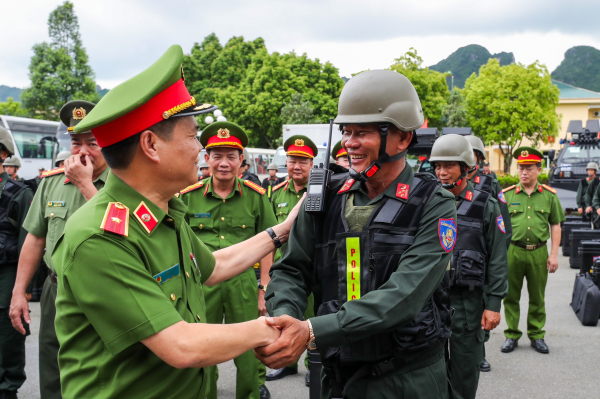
x=123 y=37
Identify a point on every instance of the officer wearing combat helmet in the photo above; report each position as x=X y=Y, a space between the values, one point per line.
x=61 y=157
x=222 y=211
x=61 y=192
x=15 y=199
x=478 y=262
x=587 y=188
x=11 y=166
x=244 y=170
x=385 y=232
x=204 y=170
x=131 y=270
x=340 y=155
x=271 y=181
x=488 y=171
x=536 y=215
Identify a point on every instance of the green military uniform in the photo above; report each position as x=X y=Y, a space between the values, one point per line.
x=590 y=192
x=55 y=201
x=220 y=223
x=12 y=343
x=466 y=342
x=530 y=215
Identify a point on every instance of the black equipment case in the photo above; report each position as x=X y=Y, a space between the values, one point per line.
x=586 y=300
x=566 y=231
x=576 y=236
x=588 y=252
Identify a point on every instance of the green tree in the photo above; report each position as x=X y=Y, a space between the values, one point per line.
x=59 y=70
x=12 y=108
x=507 y=104
x=430 y=85
x=454 y=113
x=297 y=111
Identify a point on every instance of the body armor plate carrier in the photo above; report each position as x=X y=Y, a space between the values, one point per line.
x=485 y=183
x=9 y=230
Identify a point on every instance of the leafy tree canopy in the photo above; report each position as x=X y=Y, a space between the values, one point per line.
x=297 y=111
x=454 y=113
x=506 y=104
x=12 y=108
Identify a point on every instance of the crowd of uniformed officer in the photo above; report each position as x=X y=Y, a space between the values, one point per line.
x=152 y=273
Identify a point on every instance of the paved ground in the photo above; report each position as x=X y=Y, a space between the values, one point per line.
x=574 y=352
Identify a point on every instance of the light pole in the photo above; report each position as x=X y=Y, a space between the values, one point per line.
x=449 y=73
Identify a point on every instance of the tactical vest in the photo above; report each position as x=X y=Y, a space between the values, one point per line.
x=351 y=264
x=9 y=230
x=470 y=251
x=485 y=183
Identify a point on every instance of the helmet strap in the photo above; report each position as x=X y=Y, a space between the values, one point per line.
x=457 y=182
x=473 y=169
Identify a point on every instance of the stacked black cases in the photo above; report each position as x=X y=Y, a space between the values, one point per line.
x=589 y=251
x=566 y=231
x=574 y=218
x=586 y=300
x=576 y=236
x=596 y=272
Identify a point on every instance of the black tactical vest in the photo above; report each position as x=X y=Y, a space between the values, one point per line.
x=470 y=251
x=594 y=183
x=351 y=264
x=485 y=183
x=9 y=230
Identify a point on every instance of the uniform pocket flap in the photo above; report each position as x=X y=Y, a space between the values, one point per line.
x=56 y=212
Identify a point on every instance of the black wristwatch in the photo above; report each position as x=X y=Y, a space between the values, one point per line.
x=274 y=237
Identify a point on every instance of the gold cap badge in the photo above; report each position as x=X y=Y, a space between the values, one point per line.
x=525 y=153
x=299 y=143
x=223 y=134
x=79 y=113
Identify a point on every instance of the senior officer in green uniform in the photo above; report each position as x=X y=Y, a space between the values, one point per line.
x=374 y=260
x=532 y=207
x=300 y=152
x=478 y=263
x=130 y=307
x=15 y=199
x=340 y=155
x=61 y=193
x=11 y=166
x=222 y=211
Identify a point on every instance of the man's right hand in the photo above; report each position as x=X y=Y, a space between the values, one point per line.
x=598 y=211
x=19 y=308
x=589 y=209
x=580 y=210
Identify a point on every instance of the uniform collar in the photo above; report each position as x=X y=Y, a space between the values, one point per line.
x=292 y=188
x=519 y=188
x=465 y=193
x=404 y=178
x=237 y=187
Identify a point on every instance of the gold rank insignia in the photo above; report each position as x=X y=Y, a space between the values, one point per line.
x=146 y=218
x=79 y=113
x=192 y=187
x=255 y=187
x=116 y=219
x=299 y=143
x=525 y=153
x=223 y=134
x=283 y=183
x=52 y=172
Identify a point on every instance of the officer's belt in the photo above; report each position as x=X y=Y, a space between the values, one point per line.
x=54 y=278
x=529 y=247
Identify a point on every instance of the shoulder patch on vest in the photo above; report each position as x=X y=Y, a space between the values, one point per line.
x=500 y=223
x=347 y=186
x=553 y=191
x=255 y=187
x=192 y=187
x=447 y=233
x=402 y=191
x=509 y=188
x=146 y=218
x=502 y=197
x=477 y=179
x=52 y=172
x=283 y=183
x=116 y=219
x=469 y=196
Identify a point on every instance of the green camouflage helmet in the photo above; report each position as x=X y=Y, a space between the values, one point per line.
x=6 y=141
x=61 y=156
x=453 y=148
x=380 y=96
x=591 y=165
x=12 y=161
x=477 y=144
x=272 y=166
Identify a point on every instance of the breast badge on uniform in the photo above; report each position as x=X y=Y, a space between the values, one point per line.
x=166 y=275
x=502 y=197
x=447 y=233
x=116 y=219
x=500 y=222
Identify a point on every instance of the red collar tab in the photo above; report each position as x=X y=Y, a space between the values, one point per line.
x=206 y=189
x=347 y=186
x=192 y=187
x=67 y=180
x=518 y=189
x=254 y=187
x=153 y=111
x=402 y=191
x=477 y=179
x=469 y=196
x=116 y=219
x=540 y=188
x=240 y=188
x=146 y=218
x=240 y=175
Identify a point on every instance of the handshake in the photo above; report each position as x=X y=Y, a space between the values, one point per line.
x=286 y=339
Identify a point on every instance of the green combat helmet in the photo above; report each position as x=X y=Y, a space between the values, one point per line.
x=453 y=148
x=12 y=161
x=383 y=97
x=591 y=165
x=61 y=156
x=478 y=147
x=6 y=141
x=272 y=166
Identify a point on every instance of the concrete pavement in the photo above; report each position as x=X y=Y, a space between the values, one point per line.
x=568 y=371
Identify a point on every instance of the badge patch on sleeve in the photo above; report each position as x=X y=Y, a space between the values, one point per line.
x=501 y=197
x=447 y=233
x=500 y=222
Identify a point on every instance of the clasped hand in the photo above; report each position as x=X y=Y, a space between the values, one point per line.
x=288 y=347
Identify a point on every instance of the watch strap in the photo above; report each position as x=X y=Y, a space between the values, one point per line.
x=274 y=237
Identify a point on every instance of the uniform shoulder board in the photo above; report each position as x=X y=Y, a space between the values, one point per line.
x=509 y=188
x=255 y=187
x=52 y=172
x=277 y=187
x=553 y=191
x=192 y=187
x=116 y=219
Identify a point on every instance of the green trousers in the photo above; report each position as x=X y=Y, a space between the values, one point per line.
x=466 y=342
x=530 y=265
x=12 y=342
x=425 y=383
x=236 y=301
x=49 y=372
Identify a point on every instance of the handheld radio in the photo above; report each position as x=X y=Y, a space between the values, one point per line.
x=318 y=182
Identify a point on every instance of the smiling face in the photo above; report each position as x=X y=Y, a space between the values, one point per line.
x=224 y=163
x=299 y=168
x=447 y=172
x=85 y=144
x=343 y=161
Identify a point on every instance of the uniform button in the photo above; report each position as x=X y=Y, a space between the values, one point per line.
x=243 y=226
x=222 y=237
x=515 y=211
x=187 y=274
x=528 y=207
x=201 y=226
x=170 y=220
x=528 y=217
x=542 y=211
x=529 y=228
x=528 y=239
x=297 y=196
x=198 y=316
x=223 y=201
x=281 y=213
x=222 y=218
x=173 y=297
x=51 y=215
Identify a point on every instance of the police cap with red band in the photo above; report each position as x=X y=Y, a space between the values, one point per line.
x=152 y=96
x=338 y=151
x=527 y=155
x=223 y=135
x=300 y=146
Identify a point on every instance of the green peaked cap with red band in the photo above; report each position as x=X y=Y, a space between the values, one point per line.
x=223 y=134
x=527 y=155
x=156 y=94
x=338 y=150
x=300 y=146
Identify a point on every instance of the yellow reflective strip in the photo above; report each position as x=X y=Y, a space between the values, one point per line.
x=353 y=267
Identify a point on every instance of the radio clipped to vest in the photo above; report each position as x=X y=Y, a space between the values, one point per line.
x=318 y=181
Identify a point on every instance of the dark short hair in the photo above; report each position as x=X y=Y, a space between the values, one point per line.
x=120 y=155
